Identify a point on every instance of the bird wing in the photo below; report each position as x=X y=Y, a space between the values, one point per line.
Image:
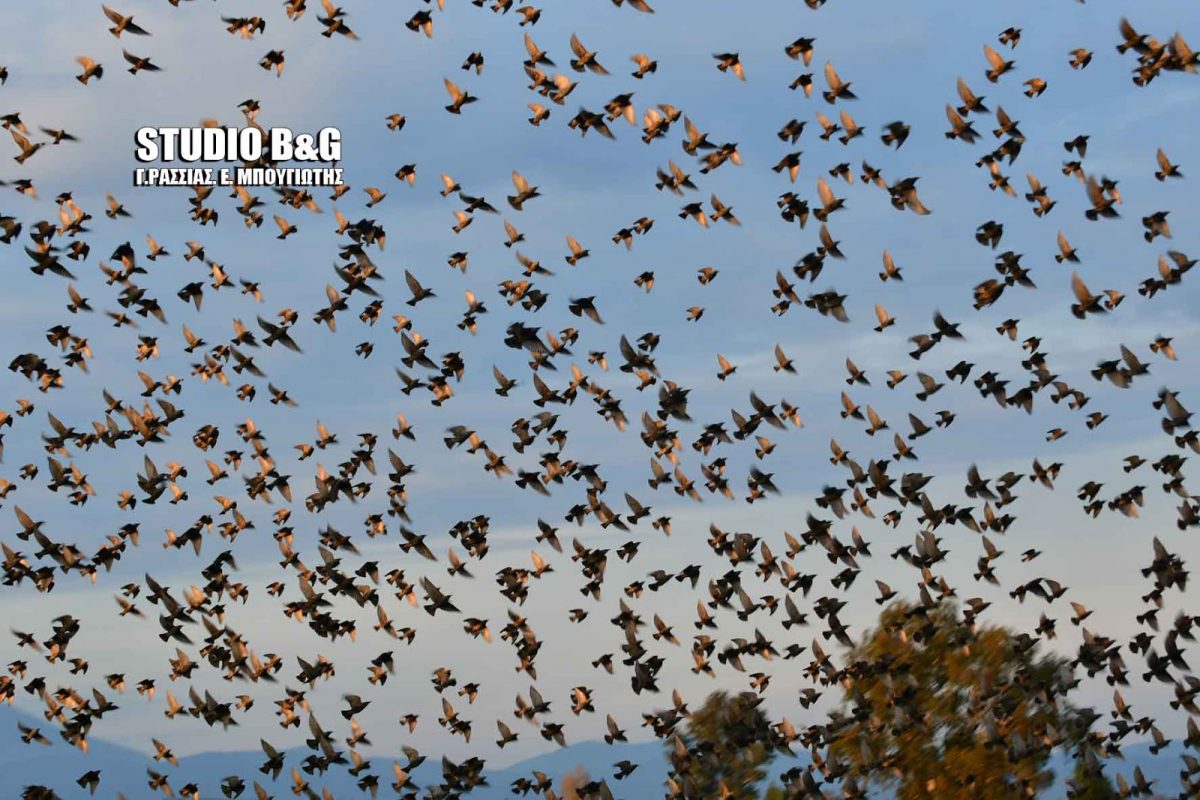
x=992 y=57
x=1080 y=288
x=824 y=191
x=965 y=93
x=413 y=284
x=831 y=76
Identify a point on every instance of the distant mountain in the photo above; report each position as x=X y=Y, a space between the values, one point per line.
x=124 y=769
x=59 y=764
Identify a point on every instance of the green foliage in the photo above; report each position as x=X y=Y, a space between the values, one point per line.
x=1091 y=785
x=938 y=707
x=723 y=750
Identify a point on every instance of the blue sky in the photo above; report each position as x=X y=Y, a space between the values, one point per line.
x=903 y=61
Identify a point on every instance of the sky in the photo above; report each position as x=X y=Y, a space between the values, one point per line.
x=902 y=59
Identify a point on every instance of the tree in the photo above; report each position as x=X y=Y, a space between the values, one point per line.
x=38 y=792
x=1090 y=784
x=723 y=750
x=937 y=706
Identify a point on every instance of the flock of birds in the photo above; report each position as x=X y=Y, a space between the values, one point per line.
x=326 y=585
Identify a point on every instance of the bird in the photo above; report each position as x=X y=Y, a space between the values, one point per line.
x=896 y=133
x=458 y=98
x=885 y=320
x=645 y=65
x=440 y=565
x=27 y=149
x=273 y=60
x=578 y=252
x=585 y=59
x=122 y=24
x=801 y=49
x=1034 y=87
x=418 y=291
x=138 y=63
x=540 y=114
x=730 y=62
x=90 y=70
x=115 y=208
x=997 y=66
x=838 y=89
x=525 y=192
x=1165 y=168
x=286 y=229
x=58 y=136
x=782 y=362
x=1086 y=302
